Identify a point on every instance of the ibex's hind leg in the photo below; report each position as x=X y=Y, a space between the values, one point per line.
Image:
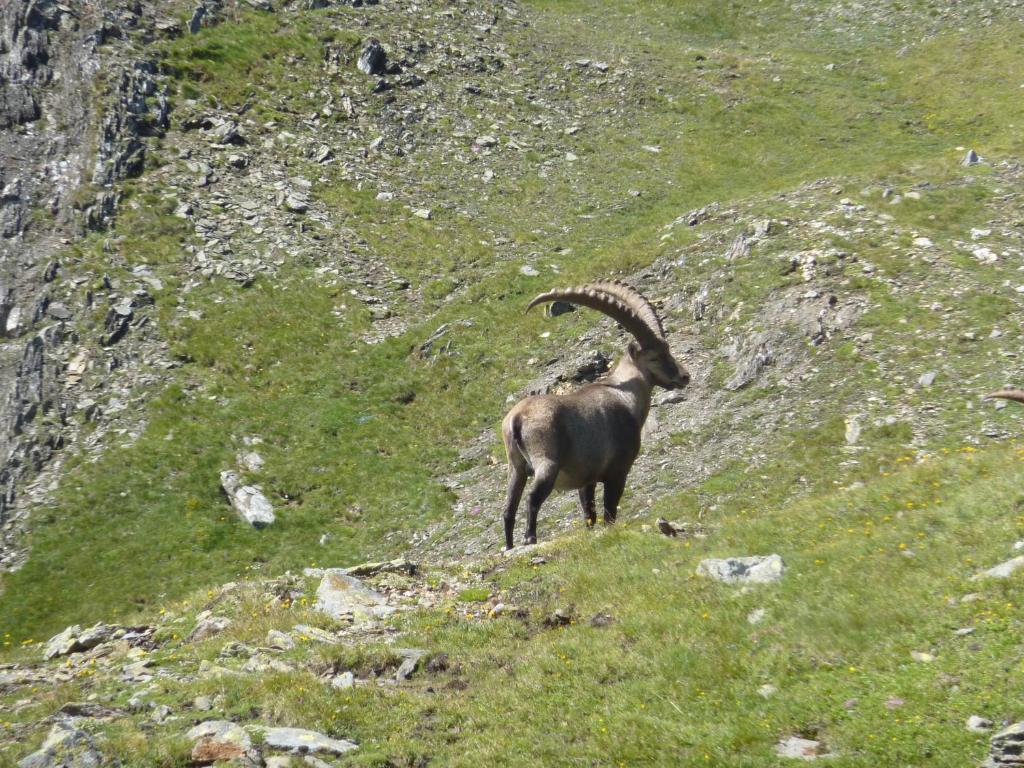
x=516 y=483
x=587 y=503
x=613 y=488
x=543 y=484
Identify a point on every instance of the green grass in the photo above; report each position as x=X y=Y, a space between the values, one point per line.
x=872 y=574
x=356 y=435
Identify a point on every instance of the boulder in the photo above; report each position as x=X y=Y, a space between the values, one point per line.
x=250 y=504
x=374 y=59
x=1007 y=747
x=65 y=747
x=342 y=595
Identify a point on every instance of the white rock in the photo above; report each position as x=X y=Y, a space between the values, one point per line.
x=251 y=505
x=852 y=430
x=922 y=242
x=250 y=461
x=978 y=724
x=1001 y=571
x=797 y=749
x=759 y=569
x=986 y=255
x=343 y=681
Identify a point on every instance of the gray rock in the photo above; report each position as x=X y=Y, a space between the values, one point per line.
x=374 y=59
x=295 y=203
x=63 y=643
x=202 y=703
x=971 y=158
x=1007 y=747
x=341 y=595
x=759 y=569
x=796 y=748
x=59 y=311
x=399 y=565
x=75 y=639
x=1001 y=571
x=280 y=640
x=927 y=379
x=221 y=729
x=65 y=747
x=411 y=658
x=306 y=632
x=251 y=505
x=299 y=741
x=209 y=627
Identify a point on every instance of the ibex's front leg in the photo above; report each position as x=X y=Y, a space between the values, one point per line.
x=587 y=503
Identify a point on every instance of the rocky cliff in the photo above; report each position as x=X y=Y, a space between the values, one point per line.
x=75 y=109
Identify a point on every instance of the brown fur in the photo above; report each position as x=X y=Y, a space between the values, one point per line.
x=1017 y=395
x=590 y=436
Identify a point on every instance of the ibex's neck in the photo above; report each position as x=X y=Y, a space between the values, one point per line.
x=635 y=386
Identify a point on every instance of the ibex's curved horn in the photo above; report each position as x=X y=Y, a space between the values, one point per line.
x=610 y=304
x=1008 y=394
x=633 y=299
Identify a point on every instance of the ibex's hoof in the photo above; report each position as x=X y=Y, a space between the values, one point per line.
x=530 y=540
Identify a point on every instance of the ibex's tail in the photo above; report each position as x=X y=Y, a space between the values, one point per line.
x=517 y=438
x=1016 y=395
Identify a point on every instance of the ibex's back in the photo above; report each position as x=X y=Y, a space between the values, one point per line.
x=590 y=436
x=587 y=434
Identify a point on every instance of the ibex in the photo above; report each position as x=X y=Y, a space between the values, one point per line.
x=592 y=435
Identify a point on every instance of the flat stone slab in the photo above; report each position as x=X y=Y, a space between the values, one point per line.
x=300 y=741
x=758 y=569
x=342 y=595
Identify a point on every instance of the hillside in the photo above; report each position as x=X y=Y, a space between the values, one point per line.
x=328 y=269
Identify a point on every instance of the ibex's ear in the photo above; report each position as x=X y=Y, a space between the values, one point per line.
x=633 y=349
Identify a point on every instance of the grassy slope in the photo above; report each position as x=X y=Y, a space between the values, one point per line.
x=674 y=679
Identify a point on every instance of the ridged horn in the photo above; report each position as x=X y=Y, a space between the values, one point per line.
x=609 y=304
x=1016 y=395
x=635 y=300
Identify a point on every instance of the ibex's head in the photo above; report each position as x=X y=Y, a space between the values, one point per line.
x=632 y=311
